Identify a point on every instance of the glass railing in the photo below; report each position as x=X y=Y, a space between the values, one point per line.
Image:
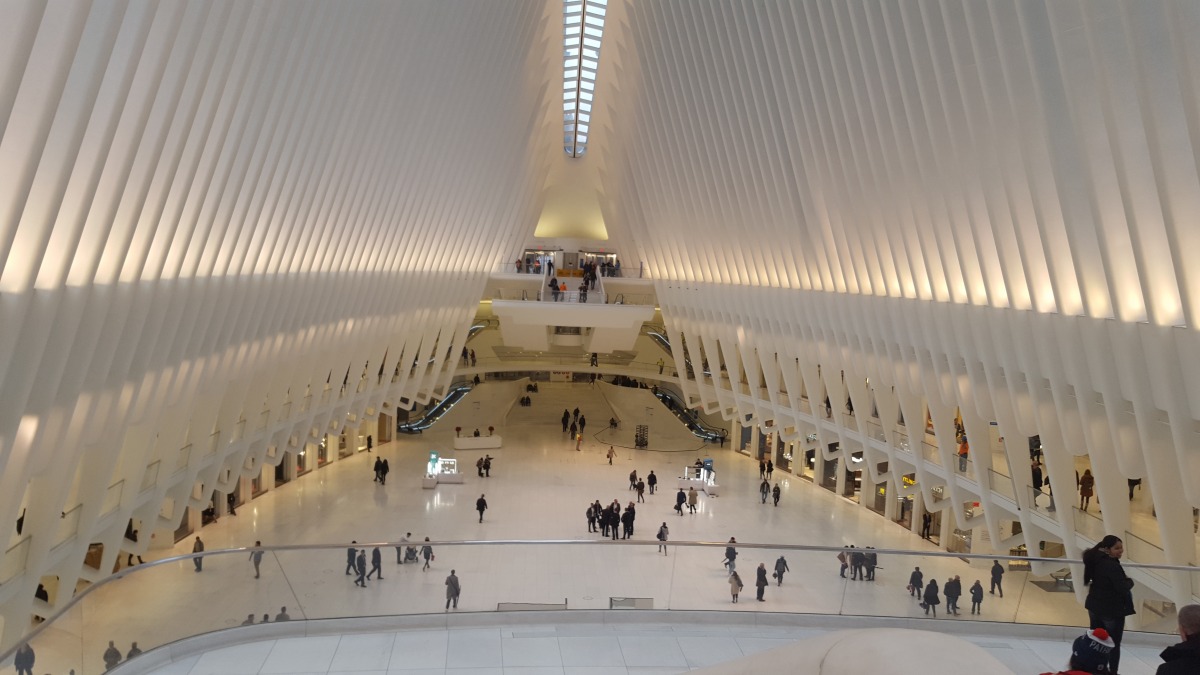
x=165 y=601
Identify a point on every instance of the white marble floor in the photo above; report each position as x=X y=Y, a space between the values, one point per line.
x=539 y=489
x=567 y=649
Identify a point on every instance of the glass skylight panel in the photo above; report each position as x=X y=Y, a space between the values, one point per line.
x=583 y=27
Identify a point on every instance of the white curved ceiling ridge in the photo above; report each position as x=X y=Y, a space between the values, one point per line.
x=209 y=208
x=1028 y=155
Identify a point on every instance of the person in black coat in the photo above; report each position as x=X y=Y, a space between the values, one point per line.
x=376 y=563
x=930 y=599
x=953 y=590
x=1110 y=597
x=760 y=580
x=680 y=500
x=1184 y=658
x=976 y=597
x=350 y=554
x=997 y=578
x=360 y=565
x=916 y=581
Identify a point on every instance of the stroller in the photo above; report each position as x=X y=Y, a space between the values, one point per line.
x=410 y=554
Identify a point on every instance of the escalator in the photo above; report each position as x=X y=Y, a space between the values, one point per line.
x=662 y=341
x=697 y=426
x=436 y=411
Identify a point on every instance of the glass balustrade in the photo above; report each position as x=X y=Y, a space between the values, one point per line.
x=162 y=602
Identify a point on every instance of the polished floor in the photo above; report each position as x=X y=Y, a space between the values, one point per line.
x=571 y=649
x=539 y=489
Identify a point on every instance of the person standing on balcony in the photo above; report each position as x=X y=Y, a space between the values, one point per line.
x=964 y=449
x=24 y=658
x=1087 y=485
x=661 y=364
x=997 y=578
x=112 y=656
x=1110 y=596
x=976 y=597
x=1184 y=658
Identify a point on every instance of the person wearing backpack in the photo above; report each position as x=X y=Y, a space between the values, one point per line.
x=663 y=533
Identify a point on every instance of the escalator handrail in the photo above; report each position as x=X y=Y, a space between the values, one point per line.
x=434 y=413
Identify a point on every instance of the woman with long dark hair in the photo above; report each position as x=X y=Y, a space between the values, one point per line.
x=1110 y=597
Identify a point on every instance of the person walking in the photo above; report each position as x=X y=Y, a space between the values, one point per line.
x=652 y=481
x=693 y=498
x=376 y=564
x=930 y=600
x=112 y=655
x=762 y=469
x=1087 y=485
x=663 y=533
x=976 y=597
x=680 y=500
x=370 y=442
x=566 y=419
x=764 y=490
x=633 y=479
x=781 y=566
x=731 y=555
x=915 y=581
x=427 y=554
x=1184 y=658
x=575 y=414
x=487 y=466
x=256 y=556
x=198 y=547
x=997 y=578
x=383 y=472
x=582 y=423
x=481 y=506
x=641 y=490
x=735 y=585
x=574 y=429
x=760 y=581
x=400 y=548
x=351 y=554
x=360 y=567
x=953 y=590
x=452 y=590
x=24 y=658
x=591 y=518
x=1110 y=597
x=775 y=494
x=770 y=469
x=378 y=468
x=611 y=453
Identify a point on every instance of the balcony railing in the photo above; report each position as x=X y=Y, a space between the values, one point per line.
x=155 y=604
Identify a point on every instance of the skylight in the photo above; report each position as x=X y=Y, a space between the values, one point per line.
x=583 y=26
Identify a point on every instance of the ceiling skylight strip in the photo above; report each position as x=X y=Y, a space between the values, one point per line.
x=583 y=27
